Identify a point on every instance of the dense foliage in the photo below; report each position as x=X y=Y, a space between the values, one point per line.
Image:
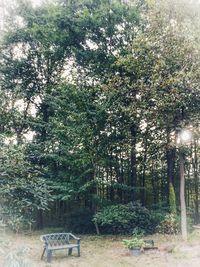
x=23 y=189
x=125 y=219
x=93 y=96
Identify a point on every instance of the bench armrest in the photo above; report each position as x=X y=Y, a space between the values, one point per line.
x=74 y=237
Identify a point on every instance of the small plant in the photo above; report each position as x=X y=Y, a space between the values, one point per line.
x=135 y=242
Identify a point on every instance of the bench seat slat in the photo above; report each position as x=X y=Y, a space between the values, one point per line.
x=63 y=246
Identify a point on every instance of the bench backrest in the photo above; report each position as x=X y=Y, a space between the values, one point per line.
x=57 y=239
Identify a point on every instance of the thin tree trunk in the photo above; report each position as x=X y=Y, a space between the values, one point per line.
x=182 y=197
x=196 y=183
x=144 y=173
x=170 y=156
x=111 y=179
x=133 y=181
x=40 y=221
x=121 y=177
x=155 y=193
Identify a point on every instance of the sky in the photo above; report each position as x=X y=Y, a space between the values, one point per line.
x=35 y=2
x=6 y=3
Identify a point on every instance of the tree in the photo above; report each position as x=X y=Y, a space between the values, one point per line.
x=109 y=84
x=23 y=188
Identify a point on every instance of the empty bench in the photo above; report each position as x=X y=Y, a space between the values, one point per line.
x=59 y=241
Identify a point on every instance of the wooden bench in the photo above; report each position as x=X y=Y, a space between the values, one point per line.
x=58 y=241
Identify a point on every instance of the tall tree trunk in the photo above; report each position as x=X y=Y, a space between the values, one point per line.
x=196 y=182
x=155 y=193
x=118 y=170
x=144 y=173
x=170 y=156
x=111 y=178
x=40 y=221
x=182 y=196
x=121 y=178
x=133 y=176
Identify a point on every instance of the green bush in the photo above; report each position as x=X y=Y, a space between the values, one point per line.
x=169 y=225
x=124 y=219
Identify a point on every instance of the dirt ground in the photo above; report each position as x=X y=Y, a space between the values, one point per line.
x=107 y=251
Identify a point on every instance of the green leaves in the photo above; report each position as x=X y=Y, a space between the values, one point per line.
x=124 y=219
x=102 y=86
x=134 y=243
x=23 y=190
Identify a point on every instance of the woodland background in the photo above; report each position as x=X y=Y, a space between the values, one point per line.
x=93 y=94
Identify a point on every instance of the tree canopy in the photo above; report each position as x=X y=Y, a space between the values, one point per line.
x=93 y=95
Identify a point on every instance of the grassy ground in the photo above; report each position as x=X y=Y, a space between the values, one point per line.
x=102 y=251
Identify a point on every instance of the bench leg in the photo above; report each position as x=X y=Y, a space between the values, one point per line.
x=79 y=251
x=49 y=255
x=43 y=253
x=70 y=251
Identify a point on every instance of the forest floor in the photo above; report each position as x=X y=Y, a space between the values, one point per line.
x=107 y=251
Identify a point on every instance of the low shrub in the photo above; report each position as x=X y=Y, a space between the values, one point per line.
x=125 y=218
x=169 y=225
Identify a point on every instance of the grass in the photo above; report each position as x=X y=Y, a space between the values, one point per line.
x=107 y=251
